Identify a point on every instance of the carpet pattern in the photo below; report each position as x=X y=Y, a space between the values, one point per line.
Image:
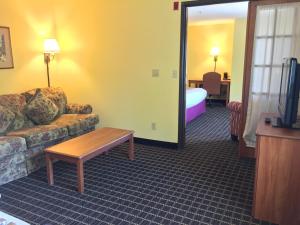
x=203 y=184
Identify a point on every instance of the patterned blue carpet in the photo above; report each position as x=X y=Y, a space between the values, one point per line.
x=203 y=184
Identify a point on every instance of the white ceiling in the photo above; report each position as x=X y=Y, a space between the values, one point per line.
x=217 y=12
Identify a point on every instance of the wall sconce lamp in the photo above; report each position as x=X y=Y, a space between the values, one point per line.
x=215 y=52
x=51 y=47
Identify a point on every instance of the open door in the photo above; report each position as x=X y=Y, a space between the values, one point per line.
x=272 y=24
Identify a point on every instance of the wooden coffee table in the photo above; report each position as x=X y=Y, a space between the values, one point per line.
x=85 y=147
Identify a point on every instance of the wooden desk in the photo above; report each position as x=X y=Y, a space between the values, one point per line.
x=277 y=179
x=226 y=83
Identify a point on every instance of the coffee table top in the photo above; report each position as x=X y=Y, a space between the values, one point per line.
x=86 y=144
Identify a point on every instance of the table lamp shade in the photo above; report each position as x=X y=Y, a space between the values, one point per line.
x=215 y=51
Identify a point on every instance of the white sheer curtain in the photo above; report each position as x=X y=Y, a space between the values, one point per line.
x=277 y=32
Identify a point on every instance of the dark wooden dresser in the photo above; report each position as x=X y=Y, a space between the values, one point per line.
x=277 y=179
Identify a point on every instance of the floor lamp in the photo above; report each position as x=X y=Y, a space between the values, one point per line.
x=215 y=51
x=51 y=47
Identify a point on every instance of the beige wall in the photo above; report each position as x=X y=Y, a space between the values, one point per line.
x=201 y=39
x=238 y=59
x=108 y=51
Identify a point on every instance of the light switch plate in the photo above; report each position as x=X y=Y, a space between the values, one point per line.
x=155 y=73
x=153 y=126
x=174 y=74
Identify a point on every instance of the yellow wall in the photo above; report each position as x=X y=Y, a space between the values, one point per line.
x=238 y=59
x=201 y=39
x=108 y=51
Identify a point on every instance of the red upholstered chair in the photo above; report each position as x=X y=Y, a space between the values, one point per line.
x=235 y=119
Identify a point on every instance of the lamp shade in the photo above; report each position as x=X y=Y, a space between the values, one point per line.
x=215 y=51
x=51 y=46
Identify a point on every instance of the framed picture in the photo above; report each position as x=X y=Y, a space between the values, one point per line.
x=6 y=58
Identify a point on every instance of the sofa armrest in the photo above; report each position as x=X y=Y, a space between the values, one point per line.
x=74 y=108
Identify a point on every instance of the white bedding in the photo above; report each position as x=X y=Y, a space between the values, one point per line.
x=194 y=96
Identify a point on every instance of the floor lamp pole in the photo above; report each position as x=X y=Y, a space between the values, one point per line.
x=47 y=60
x=48 y=76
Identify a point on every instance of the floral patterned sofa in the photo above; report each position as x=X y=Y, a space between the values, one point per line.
x=34 y=120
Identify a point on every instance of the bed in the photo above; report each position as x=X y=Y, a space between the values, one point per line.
x=195 y=103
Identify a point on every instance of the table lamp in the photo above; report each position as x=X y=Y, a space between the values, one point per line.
x=215 y=51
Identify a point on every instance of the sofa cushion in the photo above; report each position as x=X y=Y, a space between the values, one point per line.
x=39 y=135
x=16 y=104
x=90 y=119
x=7 y=117
x=73 y=108
x=76 y=123
x=41 y=109
x=55 y=94
x=11 y=145
x=58 y=96
x=35 y=161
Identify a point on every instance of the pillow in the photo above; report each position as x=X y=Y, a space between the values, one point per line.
x=55 y=94
x=7 y=118
x=16 y=104
x=75 y=108
x=58 y=97
x=41 y=110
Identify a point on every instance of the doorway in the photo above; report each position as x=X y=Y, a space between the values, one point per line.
x=209 y=17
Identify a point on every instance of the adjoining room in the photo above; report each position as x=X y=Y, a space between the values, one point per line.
x=216 y=37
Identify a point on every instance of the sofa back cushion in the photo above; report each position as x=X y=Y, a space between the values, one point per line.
x=55 y=94
x=7 y=118
x=74 y=108
x=16 y=104
x=41 y=110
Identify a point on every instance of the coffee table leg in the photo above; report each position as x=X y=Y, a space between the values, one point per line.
x=80 y=176
x=131 y=148
x=49 y=169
